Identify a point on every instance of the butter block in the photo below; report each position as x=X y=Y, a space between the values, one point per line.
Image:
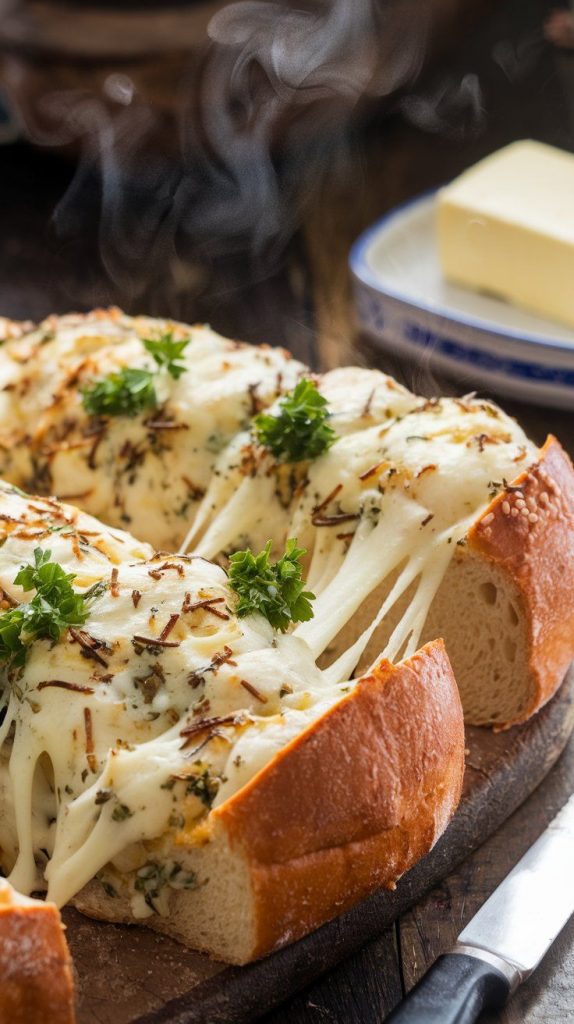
x=506 y=227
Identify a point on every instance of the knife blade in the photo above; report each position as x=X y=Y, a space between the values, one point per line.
x=505 y=941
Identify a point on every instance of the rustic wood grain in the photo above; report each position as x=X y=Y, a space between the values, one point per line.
x=363 y=988
x=433 y=925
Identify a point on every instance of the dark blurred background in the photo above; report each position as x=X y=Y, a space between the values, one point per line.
x=215 y=161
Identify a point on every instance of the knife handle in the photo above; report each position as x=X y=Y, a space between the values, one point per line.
x=455 y=990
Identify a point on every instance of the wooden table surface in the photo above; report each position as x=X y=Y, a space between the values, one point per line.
x=302 y=300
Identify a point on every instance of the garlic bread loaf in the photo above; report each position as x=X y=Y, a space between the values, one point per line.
x=165 y=758
x=236 y=720
x=418 y=516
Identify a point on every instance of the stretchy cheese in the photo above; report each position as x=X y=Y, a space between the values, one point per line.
x=165 y=703
x=506 y=226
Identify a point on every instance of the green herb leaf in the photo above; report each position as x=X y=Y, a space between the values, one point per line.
x=167 y=351
x=300 y=429
x=152 y=878
x=125 y=393
x=204 y=786
x=54 y=607
x=274 y=590
x=121 y=812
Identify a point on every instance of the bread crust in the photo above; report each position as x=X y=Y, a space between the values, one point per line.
x=528 y=532
x=36 y=980
x=355 y=801
x=346 y=808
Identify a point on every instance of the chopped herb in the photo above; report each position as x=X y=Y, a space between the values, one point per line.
x=102 y=796
x=121 y=812
x=108 y=888
x=275 y=590
x=180 y=879
x=153 y=878
x=167 y=351
x=204 y=786
x=299 y=430
x=150 y=684
x=96 y=590
x=54 y=607
x=216 y=442
x=125 y=393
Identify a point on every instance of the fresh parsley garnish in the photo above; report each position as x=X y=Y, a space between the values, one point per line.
x=299 y=430
x=275 y=590
x=130 y=390
x=54 y=607
x=167 y=351
x=125 y=393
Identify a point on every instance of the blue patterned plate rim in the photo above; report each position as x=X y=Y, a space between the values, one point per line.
x=362 y=271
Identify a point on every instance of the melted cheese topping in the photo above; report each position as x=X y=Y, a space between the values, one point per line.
x=149 y=472
x=399 y=489
x=163 y=698
x=165 y=703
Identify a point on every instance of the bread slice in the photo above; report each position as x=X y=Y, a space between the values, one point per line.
x=36 y=979
x=346 y=808
x=505 y=607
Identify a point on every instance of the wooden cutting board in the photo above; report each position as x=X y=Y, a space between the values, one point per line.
x=129 y=974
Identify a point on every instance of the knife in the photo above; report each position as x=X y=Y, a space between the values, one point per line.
x=505 y=941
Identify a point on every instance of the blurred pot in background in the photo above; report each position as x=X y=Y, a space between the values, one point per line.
x=70 y=69
x=200 y=130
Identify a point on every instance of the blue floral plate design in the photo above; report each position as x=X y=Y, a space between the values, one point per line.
x=403 y=302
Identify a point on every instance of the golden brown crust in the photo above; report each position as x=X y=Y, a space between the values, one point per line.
x=355 y=801
x=528 y=531
x=36 y=982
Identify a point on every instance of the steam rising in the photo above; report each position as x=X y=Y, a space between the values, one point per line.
x=260 y=125
x=278 y=96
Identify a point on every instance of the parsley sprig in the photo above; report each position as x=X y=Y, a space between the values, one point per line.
x=54 y=607
x=275 y=590
x=125 y=393
x=167 y=351
x=130 y=391
x=299 y=430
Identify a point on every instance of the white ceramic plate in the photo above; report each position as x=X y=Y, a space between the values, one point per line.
x=403 y=302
